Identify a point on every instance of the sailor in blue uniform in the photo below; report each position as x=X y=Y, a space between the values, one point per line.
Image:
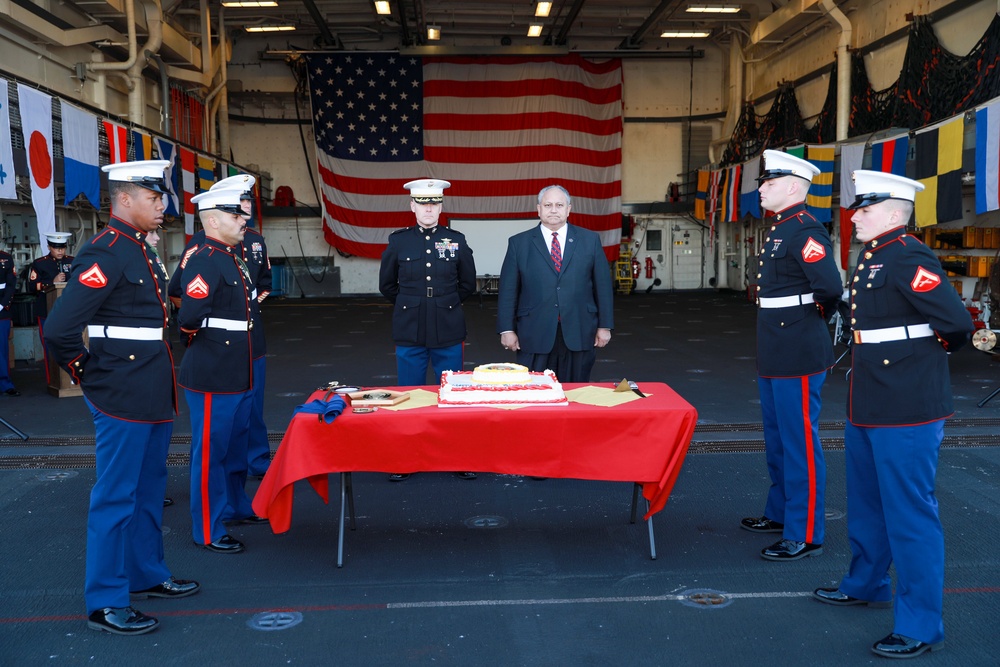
x=798 y=288
x=427 y=271
x=215 y=319
x=905 y=317
x=253 y=250
x=117 y=291
x=8 y=286
x=44 y=273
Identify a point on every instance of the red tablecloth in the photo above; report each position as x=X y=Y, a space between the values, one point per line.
x=641 y=441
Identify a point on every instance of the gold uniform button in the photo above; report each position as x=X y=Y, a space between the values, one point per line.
x=762 y=262
x=868 y=255
x=885 y=362
x=428 y=265
x=853 y=306
x=854 y=292
x=861 y=267
x=853 y=321
x=773 y=228
x=874 y=243
x=428 y=278
x=758 y=275
x=131 y=357
x=856 y=279
x=227 y=342
x=758 y=288
x=869 y=285
x=428 y=251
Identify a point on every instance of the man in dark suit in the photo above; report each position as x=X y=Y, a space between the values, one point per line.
x=555 y=299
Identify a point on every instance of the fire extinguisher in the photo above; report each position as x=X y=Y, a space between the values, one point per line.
x=649 y=267
x=635 y=269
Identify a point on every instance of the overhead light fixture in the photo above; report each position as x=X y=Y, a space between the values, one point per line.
x=681 y=34
x=249 y=4
x=382 y=7
x=433 y=33
x=714 y=9
x=542 y=8
x=535 y=30
x=270 y=28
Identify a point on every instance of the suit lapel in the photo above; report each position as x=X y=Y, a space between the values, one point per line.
x=569 y=246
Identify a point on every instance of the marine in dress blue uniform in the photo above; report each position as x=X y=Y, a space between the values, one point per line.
x=8 y=286
x=253 y=250
x=905 y=318
x=215 y=319
x=46 y=271
x=426 y=272
x=117 y=292
x=798 y=286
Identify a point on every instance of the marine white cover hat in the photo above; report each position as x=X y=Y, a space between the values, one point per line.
x=224 y=199
x=778 y=164
x=144 y=173
x=872 y=187
x=427 y=190
x=57 y=239
x=242 y=181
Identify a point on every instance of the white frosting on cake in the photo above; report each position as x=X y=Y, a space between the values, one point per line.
x=460 y=389
x=501 y=374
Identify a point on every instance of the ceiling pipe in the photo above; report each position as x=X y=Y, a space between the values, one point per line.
x=164 y=93
x=133 y=51
x=843 y=68
x=154 y=24
x=635 y=39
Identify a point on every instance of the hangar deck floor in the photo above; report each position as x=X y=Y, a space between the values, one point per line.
x=566 y=580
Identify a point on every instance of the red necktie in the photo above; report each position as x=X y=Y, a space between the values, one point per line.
x=556 y=252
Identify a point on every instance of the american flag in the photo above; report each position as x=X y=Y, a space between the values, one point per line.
x=498 y=128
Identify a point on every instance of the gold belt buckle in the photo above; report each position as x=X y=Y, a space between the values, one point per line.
x=857 y=337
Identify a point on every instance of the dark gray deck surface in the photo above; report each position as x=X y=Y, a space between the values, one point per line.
x=567 y=580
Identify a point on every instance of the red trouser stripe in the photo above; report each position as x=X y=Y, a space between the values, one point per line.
x=810 y=459
x=206 y=451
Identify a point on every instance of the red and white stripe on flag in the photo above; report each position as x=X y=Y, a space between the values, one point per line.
x=498 y=128
x=188 y=160
x=117 y=141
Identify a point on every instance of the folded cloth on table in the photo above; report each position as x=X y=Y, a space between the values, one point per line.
x=327 y=410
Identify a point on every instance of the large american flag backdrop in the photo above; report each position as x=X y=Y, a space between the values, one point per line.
x=498 y=128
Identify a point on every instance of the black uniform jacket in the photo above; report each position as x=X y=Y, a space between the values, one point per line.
x=427 y=274
x=215 y=286
x=899 y=282
x=117 y=281
x=253 y=250
x=8 y=285
x=796 y=258
x=43 y=274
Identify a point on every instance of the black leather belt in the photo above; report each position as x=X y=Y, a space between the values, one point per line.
x=427 y=292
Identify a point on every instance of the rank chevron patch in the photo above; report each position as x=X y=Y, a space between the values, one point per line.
x=197 y=288
x=813 y=251
x=93 y=277
x=924 y=280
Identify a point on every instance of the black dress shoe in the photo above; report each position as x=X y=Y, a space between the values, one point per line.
x=167 y=502
x=398 y=476
x=253 y=519
x=12 y=392
x=790 y=550
x=122 y=621
x=227 y=544
x=761 y=525
x=466 y=475
x=898 y=646
x=171 y=588
x=835 y=597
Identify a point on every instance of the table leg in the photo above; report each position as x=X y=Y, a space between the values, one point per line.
x=350 y=500
x=635 y=500
x=652 y=539
x=340 y=526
